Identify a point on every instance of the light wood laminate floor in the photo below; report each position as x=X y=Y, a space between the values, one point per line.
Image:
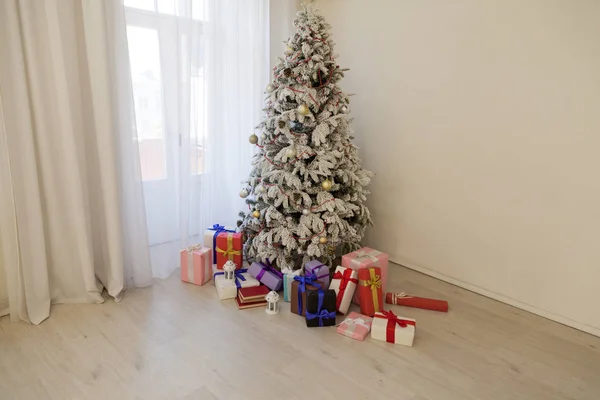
x=178 y=341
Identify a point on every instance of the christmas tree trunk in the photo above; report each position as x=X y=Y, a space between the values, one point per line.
x=307 y=187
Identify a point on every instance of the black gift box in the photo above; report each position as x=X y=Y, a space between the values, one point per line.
x=312 y=304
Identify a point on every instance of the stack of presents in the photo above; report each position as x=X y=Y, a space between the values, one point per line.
x=312 y=291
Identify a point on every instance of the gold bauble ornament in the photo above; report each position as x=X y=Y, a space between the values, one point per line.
x=303 y=109
x=289 y=50
x=290 y=152
x=326 y=185
x=244 y=193
x=256 y=214
x=253 y=139
x=270 y=88
x=323 y=239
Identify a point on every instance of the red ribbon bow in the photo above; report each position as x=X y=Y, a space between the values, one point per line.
x=390 y=334
x=345 y=278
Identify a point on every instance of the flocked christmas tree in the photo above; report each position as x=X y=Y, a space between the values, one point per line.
x=307 y=188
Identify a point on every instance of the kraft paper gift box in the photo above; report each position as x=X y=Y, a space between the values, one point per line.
x=229 y=248
x=267 y=275
x=367 y=257
x=288 y=278
x=196 y=263
x=210 y=238
x=300 y=286
x=320 y=270
x=320 y=308
x=371 y=295
x=227 y=288
x=344 y=284
x=391 y=328
x=407 y=300
x=355 y=326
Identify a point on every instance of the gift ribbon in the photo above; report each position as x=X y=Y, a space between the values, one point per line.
x=310 y=279
x=238 y=275
x=374 y=283
x=398 y=296
x=268 y=267
x=361 y=255
x=320 y=313
x=218 y=229
x=392 y=320
x=345 y=279
x=194 y=247
x=230 y=252
x=353 y=323
x=326 y=274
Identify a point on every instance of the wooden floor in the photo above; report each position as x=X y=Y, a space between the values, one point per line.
x=178 y=341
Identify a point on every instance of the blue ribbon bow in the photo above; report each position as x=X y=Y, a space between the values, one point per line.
x=267 y=267
x=238 y=275
x=311 y=280
x=321 y=313
x=218 y=229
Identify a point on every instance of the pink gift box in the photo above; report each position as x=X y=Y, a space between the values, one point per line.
x=355 y=326
x=196 y=263
x=364 y=258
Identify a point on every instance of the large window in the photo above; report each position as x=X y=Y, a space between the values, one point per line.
x=164 y=62
x=167 y=57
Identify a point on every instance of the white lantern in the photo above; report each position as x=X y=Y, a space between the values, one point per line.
x=272 y=302
x=229 y=270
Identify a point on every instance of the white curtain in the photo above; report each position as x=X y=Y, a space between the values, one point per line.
x=208 y=65
x=81 y=111
x=72 y=221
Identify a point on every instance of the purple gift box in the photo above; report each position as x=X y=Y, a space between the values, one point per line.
x=319 y=269
x=267 y=275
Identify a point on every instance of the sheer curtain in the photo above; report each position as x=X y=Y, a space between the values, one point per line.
x=124 y=131
x=72 y=220
x=199 y=68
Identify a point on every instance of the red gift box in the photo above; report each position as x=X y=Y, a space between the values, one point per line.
x=229 y=248
x=371 y=293
x=403 y=299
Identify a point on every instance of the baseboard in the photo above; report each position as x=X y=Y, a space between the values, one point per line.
x=515 y=303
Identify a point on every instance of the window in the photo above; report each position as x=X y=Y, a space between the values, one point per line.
x=166 y=52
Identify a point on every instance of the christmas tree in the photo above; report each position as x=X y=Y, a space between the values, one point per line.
x=307 y=188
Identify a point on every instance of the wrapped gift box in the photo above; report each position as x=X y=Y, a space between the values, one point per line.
x=227 y=288
x=320 y=270
x=320 y=308
x=229 y=248
x=267 y=275
x=288 y=278
x=406 y=300
x=391 y=328
x=355 y=326
x=196 y=263
x=371 y=295
x=300 y=286
x=367 y=257
x=344 y=284
x=210 y=238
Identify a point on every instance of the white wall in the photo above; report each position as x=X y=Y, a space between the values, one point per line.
x=482 y=122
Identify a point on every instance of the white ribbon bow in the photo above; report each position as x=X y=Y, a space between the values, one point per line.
x=356 y=321
x=398 y=296
x=361 y=255
x=194 y=247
